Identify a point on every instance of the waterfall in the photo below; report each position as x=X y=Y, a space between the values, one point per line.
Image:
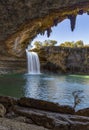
x=33 y=62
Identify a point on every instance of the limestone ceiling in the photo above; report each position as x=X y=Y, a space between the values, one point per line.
x=22 y=20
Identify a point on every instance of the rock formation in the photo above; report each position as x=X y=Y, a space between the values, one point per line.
x=24 y=113
x=22 y=20
x=64 y=59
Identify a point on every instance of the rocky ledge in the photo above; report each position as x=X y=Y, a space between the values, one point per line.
x=68 y=60
x=28 y=113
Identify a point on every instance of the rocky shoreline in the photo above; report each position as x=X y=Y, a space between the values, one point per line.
x=27 y=113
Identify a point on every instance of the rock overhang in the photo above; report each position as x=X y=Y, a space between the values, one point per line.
x=22 y=20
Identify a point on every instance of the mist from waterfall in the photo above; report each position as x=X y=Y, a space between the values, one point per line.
x=33 y=62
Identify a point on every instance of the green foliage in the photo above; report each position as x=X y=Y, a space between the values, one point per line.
x=49 y=43
x=39 y=44
x=67 y=44
x=73 y=44
x=79 y=43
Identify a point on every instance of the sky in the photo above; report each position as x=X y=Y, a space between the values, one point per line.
x=62 y=32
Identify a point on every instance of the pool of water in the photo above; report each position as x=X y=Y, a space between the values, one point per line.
x=50 y=87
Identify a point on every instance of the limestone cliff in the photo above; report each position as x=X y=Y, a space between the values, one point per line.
x=64 y=60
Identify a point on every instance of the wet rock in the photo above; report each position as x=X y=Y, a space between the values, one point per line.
x=44 y=105
x=2 y=110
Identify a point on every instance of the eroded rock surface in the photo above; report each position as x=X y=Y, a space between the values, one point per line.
x=64 y=59
x=8 y=124
x=22 y=20
x=26 y=113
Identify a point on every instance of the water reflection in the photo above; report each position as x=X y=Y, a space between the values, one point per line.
x=43 y=87
x=32 y=86
x=55 y=88
x=12 y=85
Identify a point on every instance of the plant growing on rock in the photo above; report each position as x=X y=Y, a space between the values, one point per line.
x=77 y=97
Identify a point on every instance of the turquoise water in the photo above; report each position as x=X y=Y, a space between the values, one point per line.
x=50 y=87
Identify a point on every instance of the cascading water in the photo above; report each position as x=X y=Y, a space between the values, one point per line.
x=33 y=62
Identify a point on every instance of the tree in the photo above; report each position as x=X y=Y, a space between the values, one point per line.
x=49 y=43
x=53 y=42
x=62 y=45
x=38 y=44
x=79 y=43
x=45 y=43
x=67 y=44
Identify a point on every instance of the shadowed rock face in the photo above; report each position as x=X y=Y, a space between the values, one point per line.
x=22 y=20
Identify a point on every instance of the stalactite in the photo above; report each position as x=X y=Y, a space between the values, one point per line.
x=55 y=22
x=49 y=30
x=80 y=12
x=72 y=19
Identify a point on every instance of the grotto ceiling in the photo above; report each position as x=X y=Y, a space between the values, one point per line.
x=22 y=20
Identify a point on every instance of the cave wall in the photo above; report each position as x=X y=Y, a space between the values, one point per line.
x=64 y=60
x=18 y=12
x=22 y=20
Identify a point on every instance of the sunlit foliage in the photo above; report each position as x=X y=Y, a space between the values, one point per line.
x=39 y=44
